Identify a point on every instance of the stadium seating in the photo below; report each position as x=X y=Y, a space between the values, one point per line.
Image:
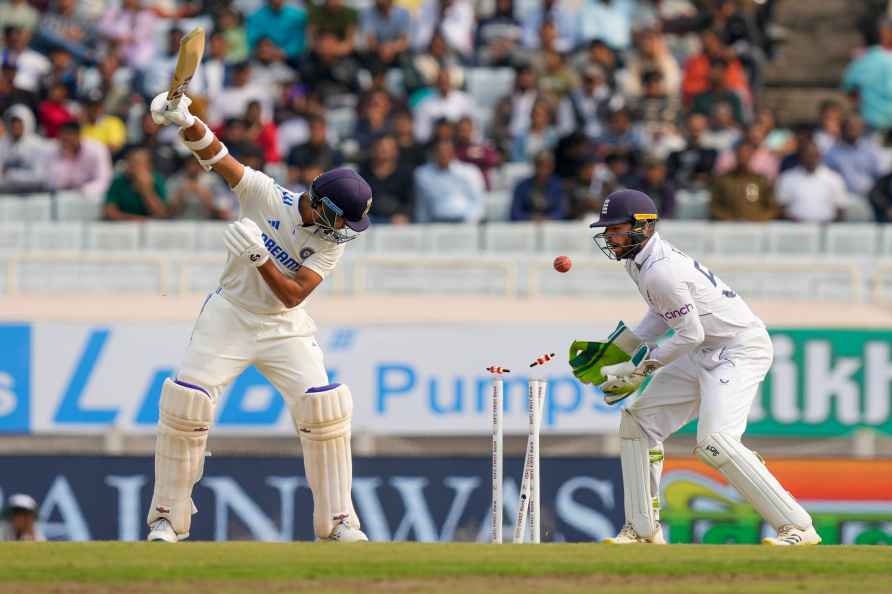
x=850 y=239
x=170 y=236
x=114 y=237
x=45 y=235
x=518 y=238
x=737 y=239
x=800 y=239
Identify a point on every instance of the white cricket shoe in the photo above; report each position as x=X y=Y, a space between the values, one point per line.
x=628 y=536
x=791 y=536
x=162 y=531
x=344 y=532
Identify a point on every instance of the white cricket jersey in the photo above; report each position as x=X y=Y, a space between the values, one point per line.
x=290 y=244
x=686 y=296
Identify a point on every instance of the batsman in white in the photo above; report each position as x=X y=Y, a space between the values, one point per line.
x=278 y=252
x=709 y=369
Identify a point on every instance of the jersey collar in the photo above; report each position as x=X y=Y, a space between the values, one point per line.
x=644 y=253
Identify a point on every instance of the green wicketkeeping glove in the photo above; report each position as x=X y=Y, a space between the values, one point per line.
x=588 y=357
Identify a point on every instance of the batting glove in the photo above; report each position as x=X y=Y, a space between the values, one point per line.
x=179 y=116
x=624 y=378
x=243 y=239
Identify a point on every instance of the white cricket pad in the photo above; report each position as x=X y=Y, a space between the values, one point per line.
x=323 y=421
x=635 y=459
x=753 y=480
x=186 y=415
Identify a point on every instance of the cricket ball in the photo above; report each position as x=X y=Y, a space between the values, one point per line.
x=562 y=264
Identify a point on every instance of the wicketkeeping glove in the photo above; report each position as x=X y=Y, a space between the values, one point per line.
x=243 y=239
x=588 y=357
x=179 y=116
x=624 y=378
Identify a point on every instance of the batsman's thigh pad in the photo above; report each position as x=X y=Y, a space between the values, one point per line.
x=749 y=475
x=635 y=459
x=186 y=415
x=323 y=416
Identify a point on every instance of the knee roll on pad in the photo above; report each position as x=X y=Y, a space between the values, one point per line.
x=636 y=465
x=323 y=419
x=186 y=413
x=749 y=475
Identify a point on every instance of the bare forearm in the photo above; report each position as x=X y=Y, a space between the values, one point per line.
x=289 y=291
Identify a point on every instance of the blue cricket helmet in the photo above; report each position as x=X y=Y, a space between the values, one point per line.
x=625 y=206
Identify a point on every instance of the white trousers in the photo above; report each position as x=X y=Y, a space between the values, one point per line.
x=227 y=339
x=714 y=384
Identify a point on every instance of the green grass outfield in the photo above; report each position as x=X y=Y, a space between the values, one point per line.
x=224 y=568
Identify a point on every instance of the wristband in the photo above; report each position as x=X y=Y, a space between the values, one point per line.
x=209 y=163
x=203 y=142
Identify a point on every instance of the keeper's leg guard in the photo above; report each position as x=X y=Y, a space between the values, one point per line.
x=752 y=479
x=638 y=477
x=323 y=419
x=186 y=415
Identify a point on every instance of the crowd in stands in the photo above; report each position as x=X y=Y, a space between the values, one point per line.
x=662 y=96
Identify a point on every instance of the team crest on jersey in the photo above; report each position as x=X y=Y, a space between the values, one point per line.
x=306 y=253
x=274 y=223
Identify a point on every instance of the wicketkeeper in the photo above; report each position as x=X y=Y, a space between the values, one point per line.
x=709 y=369
x=279 y=251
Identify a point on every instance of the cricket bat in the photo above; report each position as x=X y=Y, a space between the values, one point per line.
x=188 y=58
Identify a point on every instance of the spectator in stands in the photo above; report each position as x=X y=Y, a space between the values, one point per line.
x=540 y=197
x=512 y=112
x=138 y=193
x=31 y=66
x=724 y=132
x=132 y=28
x=63 y=25
x=23 y=153
x=229 y=25
x=412 y=154
x=165 y=159
x=499 y=36
x=453 y=18
x=63 y=69
x=557 y=11
x=718 y=92
x=542 y=135
x=55 y=110
x=867 y=80
x=424 y=68
x=880 y=198
x=655 y=183
x=763 y=160
x=608 y=20
x=78 y=164
x=156 y=74
x=19 y=13
x=742 y=194
x=802 y=134
x=268 y=68
x=10 y=94
x=447 y=103
x=856 y=157
x=830 y=128
x=19 y=519
x=601 y=55
x=811 y=192
x=375 y=119
x=697 y=68
x=586 y=108
x=317 y=148
x=692 y=166
x=235 y=97
x=102 y=127
x=621 y=136
x=583 y=200
x=213 y=67
x=615 y=173
x=391 y=183
x=654 y=107
x=651 y=56
x=262 y=132
x=470 y=148
x=284 y=23
x=110 y=80
x=333 y=74
x=338 y=23
x=556 y=79
x=386 y=29
x=447 y=190
x=198 y=195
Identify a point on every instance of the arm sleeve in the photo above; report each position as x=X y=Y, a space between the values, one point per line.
x=255 y=185
x=651 y=327
x=673 y=299
x=324 y=261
